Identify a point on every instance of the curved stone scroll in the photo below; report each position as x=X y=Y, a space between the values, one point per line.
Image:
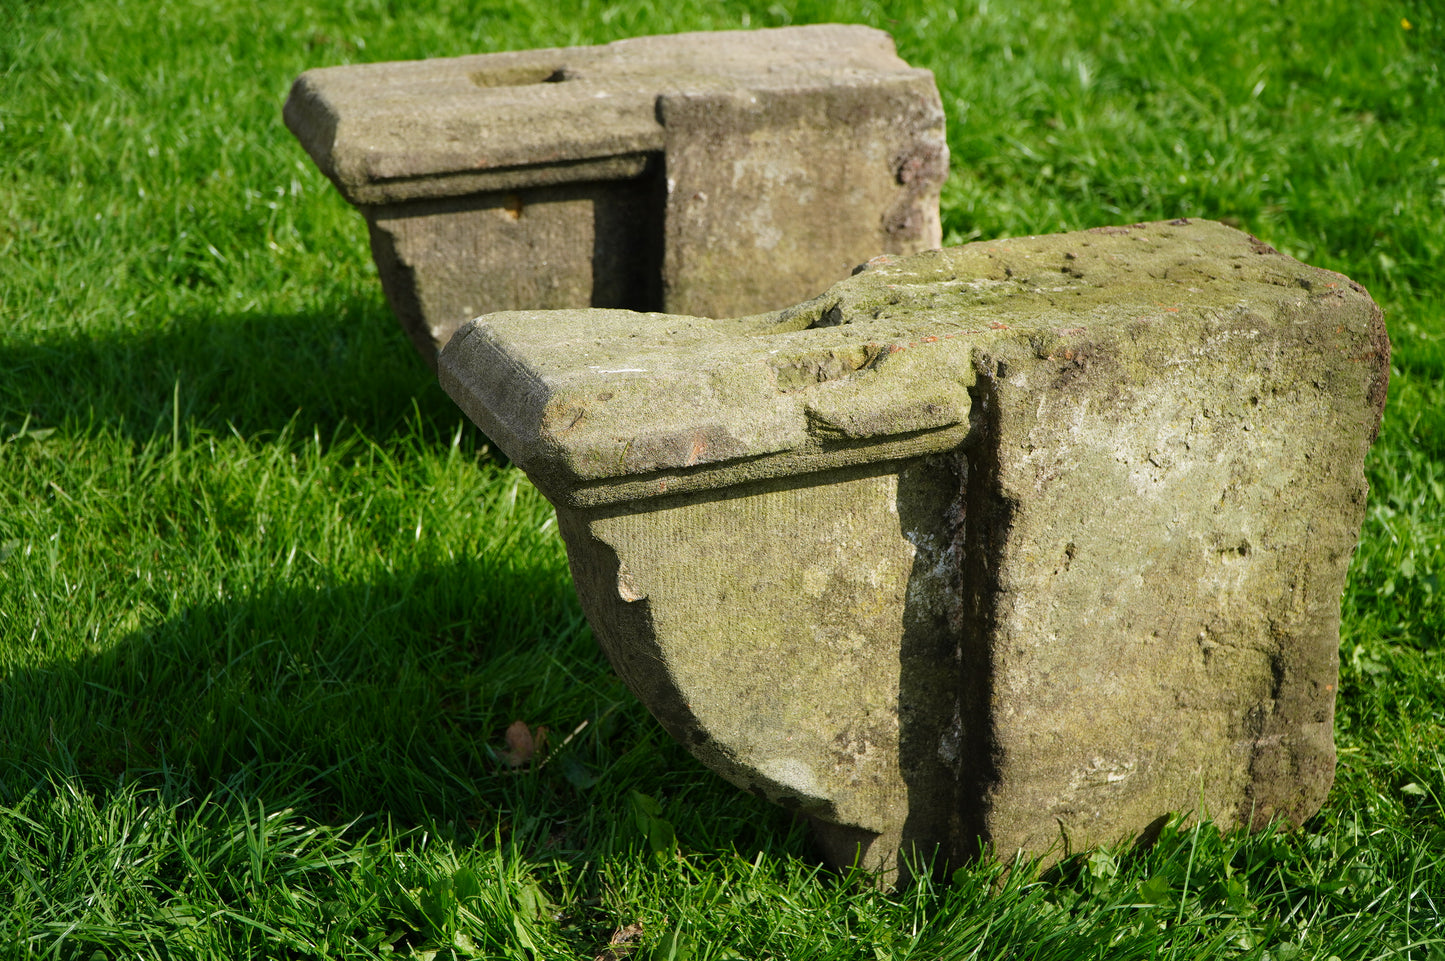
x=1030 y=541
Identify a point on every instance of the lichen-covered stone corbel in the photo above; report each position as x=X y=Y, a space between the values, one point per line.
x=723 y=173
x=1030 y=541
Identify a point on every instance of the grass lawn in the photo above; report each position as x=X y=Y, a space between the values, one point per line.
x=268 y=604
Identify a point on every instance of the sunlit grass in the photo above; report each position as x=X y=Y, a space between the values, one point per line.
x=268 y=604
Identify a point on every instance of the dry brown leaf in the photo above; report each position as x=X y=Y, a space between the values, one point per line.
x=523 y=743
x=623 y=942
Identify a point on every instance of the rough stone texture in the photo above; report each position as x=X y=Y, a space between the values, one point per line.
x=1032 y=541
x=708 y=173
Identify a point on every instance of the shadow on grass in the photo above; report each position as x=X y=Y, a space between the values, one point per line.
x=384 y=698
x=383 y=702
x=249 y=372
x=380 y=696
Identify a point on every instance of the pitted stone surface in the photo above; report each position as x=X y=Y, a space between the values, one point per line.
x=1034 y=541
x=714 y=173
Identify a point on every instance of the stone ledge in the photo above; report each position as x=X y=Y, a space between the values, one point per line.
x=874 y=362
x=389 y=132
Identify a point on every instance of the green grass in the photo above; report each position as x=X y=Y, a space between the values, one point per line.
x=268 y=605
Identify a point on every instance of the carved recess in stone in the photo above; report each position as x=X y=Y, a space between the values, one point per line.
x=705 y=173
x=1031 y=541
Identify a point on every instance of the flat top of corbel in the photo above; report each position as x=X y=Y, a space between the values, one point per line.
x=368 y=125
x=600 y=406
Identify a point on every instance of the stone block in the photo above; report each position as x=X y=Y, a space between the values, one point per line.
x=706 y=173
x=1033 y=541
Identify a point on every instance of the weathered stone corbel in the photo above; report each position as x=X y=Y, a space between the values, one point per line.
x=1031 y=541
x=703 y=173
